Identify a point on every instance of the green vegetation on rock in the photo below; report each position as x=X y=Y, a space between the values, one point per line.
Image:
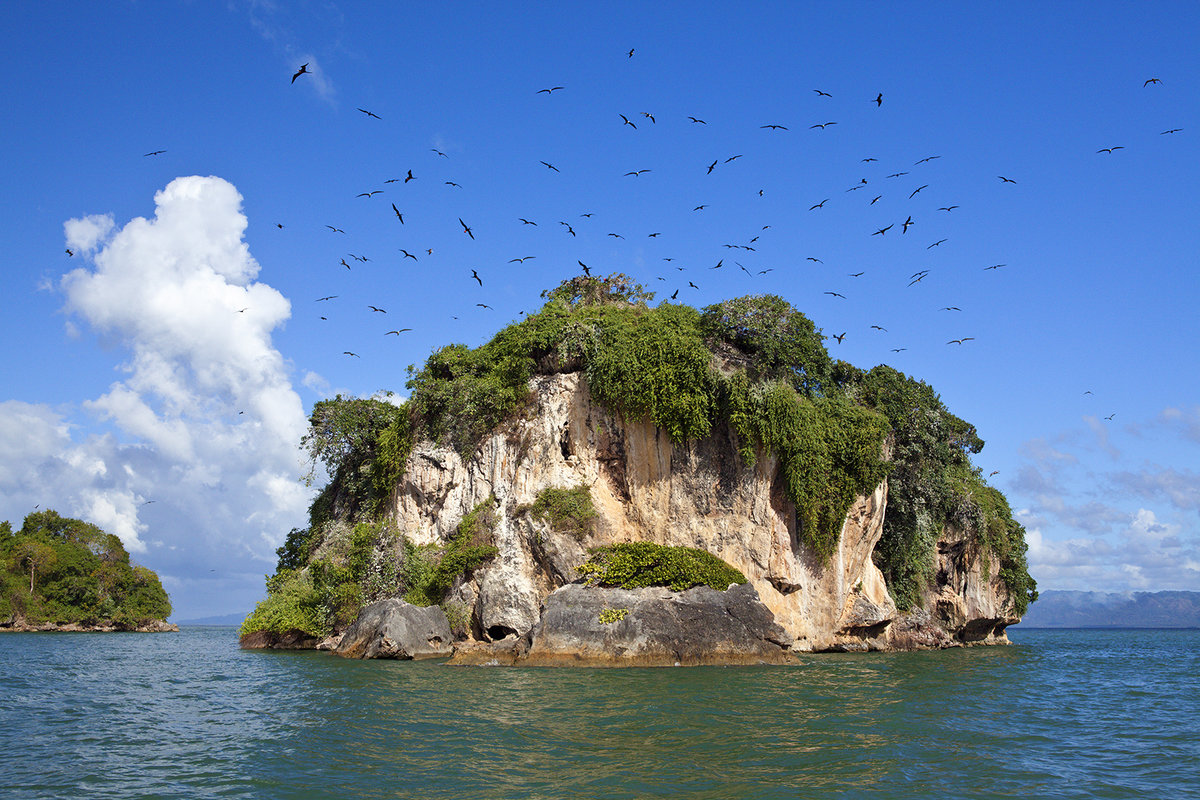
x=753 y=367
x=635 y=565
x=348 y=567
x=469 y=547
x=65 y=571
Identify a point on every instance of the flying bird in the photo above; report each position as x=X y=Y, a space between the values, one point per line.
x=995 y=266
x=627 y=122
x=586 y=270
x=818 y=205
x=878 y=328
x=960 y=341
x=475 y=275
x=1173 y=130
x=821 y=125
x=348 y=353
x=70 y=252
x=897 y=174
x=485 y=305
x=919 y=188
x=344 y=264
x=551 y=90
x=840 y=336
x=402 y=330
x=1006 y=180
x=731 y=158
x=335 y=230
x=822 y=94
x=452 y=183
x=630 y=53
x=883 y=231
x=550 y=166
x=947 y=208
x=636 y=172
x=905 y=225
x=409 y=177
x=835 y=294
x=368 y=113
x=408 y=254
x=879 y=99
x=700 y=208
x=949 y=308
x=1110 y=416
x=377 y=310
x=398 y=214
x=526 y=222
x=466 y=230
x=370 y=194
x=302 y=71
x=774 y=127
x=712 y=166
x=439 y=152
x=935 y=244
x=1150 y=81
x=650 y=117
x=702 y=122
x=328 y=297
x=1110 y=149
x=694 y=286
x=154 y=153
x=875 y=199
x=570 y=230
x=857 y=274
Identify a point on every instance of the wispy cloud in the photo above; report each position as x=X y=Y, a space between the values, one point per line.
x=1095 y=522
x=273 y=22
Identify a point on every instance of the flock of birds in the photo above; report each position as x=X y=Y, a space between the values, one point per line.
x=870 y=188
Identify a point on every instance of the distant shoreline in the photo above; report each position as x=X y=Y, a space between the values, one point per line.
x=154 y=626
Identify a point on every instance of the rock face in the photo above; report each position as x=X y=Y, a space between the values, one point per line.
x=702 y=495
x=395 y=629
x=621 y=627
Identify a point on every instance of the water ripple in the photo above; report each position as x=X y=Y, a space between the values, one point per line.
x=1064 y=714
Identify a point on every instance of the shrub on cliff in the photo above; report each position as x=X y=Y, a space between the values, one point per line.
x=564 y=510
x=635 y=565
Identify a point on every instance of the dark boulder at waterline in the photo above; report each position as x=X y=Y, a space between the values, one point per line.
x=393 y=628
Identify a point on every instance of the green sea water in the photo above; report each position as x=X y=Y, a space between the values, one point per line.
x=1061 y=714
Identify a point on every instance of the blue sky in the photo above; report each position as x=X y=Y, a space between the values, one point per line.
x=157 y=381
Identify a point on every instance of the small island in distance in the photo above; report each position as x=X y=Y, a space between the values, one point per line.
x=1070 y=609
x=63 y=574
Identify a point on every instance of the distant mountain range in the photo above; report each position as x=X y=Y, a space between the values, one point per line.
x=225 y=619
x=1061 y=609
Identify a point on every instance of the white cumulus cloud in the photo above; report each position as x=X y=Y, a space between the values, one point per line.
x=192 y=455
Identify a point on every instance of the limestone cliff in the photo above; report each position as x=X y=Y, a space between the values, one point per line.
x=699 y=494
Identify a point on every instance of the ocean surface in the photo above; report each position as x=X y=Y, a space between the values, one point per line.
x=1061 y=714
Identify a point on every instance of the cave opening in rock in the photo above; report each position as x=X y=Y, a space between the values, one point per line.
x=498 y=632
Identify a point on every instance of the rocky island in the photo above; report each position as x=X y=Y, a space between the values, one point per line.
x=608 y=482
x=63 y=574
